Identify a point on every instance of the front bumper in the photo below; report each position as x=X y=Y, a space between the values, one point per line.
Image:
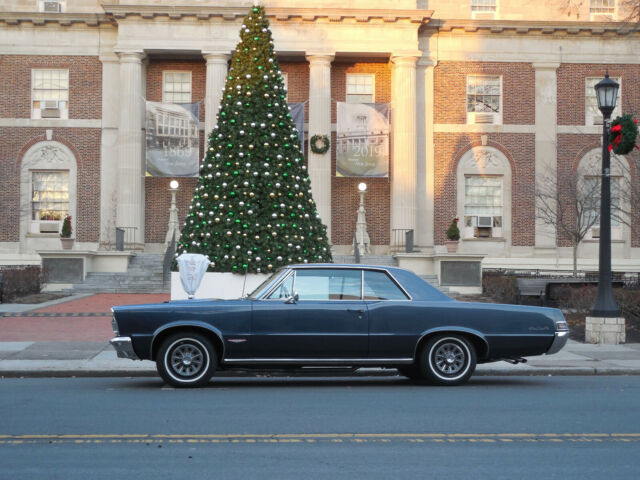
x=124 y=347
x=558 y=342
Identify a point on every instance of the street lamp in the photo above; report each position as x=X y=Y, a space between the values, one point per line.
x=605 y=306
x=362 y=237
x=173 y=231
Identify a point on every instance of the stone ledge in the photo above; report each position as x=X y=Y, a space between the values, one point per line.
x=605 y=330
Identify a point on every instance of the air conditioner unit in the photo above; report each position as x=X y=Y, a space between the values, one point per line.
x=50 y=109
x=482 y=118
x=595 y=232
x=485 y=221
x=51 y=7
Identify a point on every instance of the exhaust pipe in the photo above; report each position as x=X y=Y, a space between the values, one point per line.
x=516 y=360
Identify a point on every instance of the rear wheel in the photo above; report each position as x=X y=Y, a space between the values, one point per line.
x=447 y=360
x=186 y=359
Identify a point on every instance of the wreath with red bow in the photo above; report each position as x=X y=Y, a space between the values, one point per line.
x=623 y=134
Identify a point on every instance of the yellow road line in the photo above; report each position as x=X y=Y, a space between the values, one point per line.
x=295 y=438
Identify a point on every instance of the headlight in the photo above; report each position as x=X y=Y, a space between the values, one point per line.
x=562 y=326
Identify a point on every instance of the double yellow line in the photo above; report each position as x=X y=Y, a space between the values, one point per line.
x=323 y=438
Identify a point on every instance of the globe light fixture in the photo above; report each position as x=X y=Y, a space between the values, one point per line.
x=173 y=184
x=362 y=187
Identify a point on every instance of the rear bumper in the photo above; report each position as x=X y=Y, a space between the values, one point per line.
x=558 y=342
x=124 y=347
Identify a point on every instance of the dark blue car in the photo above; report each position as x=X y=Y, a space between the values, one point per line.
x=335 y=315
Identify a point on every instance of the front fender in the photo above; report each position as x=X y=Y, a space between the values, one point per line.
x=452 y=329
x=186 y=324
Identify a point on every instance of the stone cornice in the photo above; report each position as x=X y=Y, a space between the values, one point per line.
x=337 y=15
x=521 y=27
x=64 y=19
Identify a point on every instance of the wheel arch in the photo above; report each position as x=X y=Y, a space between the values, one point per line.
x=476 y=338
x=207 y=330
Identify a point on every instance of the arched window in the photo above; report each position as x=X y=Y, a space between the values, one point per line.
x=48 y=176
x=589 y=172
x=484 y=194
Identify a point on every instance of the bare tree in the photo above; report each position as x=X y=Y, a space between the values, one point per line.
x=567 y=202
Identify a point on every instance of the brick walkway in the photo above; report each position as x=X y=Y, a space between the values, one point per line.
x=71 y=327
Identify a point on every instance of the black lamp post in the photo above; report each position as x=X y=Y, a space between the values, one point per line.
x=605 y=306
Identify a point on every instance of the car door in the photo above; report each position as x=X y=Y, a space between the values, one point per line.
x=328 y=320
x=394 y=320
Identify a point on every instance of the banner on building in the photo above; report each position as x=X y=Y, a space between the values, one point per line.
x=172 y=139
x=297 y=115
x=362 y=148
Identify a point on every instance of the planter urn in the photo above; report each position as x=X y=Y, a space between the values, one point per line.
x=67 y=243
x=452 y=246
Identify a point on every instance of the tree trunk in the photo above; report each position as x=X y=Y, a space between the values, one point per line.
x=575 y=260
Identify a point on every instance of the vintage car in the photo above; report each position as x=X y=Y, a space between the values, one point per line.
x=335 y=315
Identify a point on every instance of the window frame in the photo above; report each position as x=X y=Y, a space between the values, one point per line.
x=599 y=13
x=471 y=115
x=36 y=113
x=480 y=12
x=164 y=83
x=362 y=75
x=494 y=226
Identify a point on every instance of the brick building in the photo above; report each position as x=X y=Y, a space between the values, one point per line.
x=485 y=107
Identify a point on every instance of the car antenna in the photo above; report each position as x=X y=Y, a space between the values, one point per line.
x=244 y=283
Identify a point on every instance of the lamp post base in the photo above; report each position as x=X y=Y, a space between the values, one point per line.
x=604 y=330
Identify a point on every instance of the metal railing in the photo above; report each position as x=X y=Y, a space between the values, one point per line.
x=168 y=260
x=402 y=239
x=126 y=238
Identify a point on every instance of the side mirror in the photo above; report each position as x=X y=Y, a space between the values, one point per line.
x=293 y=299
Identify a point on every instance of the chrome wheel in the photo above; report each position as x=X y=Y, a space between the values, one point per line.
x=449 y=358
x=187 y=359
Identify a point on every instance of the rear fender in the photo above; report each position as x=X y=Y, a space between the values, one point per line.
x=477 y=337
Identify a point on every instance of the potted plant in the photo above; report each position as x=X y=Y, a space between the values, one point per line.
x=453 y=235
x=65 y=234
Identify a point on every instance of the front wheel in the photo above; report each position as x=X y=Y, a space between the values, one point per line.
x=186 y=359
x=447 y=360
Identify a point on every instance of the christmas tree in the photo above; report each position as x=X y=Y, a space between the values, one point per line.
x=252 y=208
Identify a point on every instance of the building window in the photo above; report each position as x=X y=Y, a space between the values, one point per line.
x=176 y=87
x=50 y=93
x=484 y=99
x=591 y=192
x=360 y=88
x=483 y=8
x=483 y=205
x=593 y=116
x=49 y=199
x=52 y=6
x=602 y=7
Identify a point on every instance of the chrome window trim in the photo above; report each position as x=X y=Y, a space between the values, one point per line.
x=337 y=267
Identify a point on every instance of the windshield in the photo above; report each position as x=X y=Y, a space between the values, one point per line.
x=269 y=279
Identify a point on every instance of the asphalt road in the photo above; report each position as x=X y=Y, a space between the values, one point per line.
x=495 y=427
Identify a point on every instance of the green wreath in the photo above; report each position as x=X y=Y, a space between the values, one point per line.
x=324 y=144
x=623 y=134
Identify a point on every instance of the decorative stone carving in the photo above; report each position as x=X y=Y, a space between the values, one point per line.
x=482 y=159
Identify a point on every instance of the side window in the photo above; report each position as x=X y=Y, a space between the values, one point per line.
x=328 y=284
x=378 y=286
x=285 y=290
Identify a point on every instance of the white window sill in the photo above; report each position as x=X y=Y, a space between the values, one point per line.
x=484 y=239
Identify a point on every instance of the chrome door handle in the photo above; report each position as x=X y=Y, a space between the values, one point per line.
x=355 y=310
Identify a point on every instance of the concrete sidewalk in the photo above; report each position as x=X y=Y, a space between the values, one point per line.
x=69 y=337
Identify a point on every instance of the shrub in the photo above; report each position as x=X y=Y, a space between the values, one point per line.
x=66 y=227
x=19 y=281
x=453 y=232
x=501 y=287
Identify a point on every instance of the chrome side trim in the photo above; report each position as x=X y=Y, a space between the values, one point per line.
x=320 y=361
x=558 y=342
x=124 y=347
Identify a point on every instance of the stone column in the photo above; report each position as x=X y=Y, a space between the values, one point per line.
x=425 y=154
x=109 y=149
x=546 y=146
x=130 y=211
x=216 y=78
x=404 y=156
x=320 y=124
